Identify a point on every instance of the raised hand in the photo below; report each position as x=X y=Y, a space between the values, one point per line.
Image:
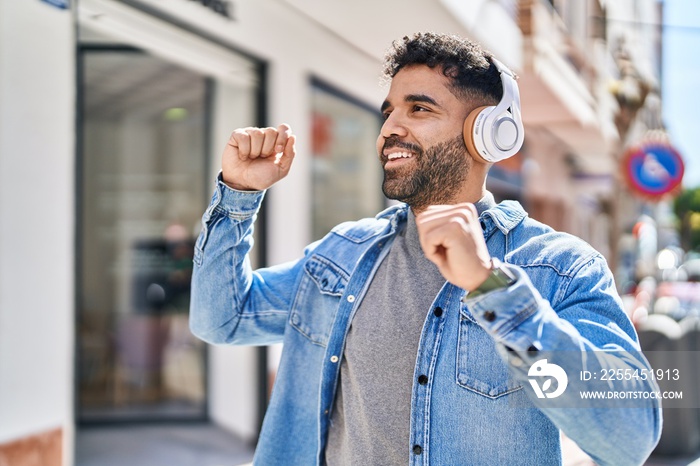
x=256 y=158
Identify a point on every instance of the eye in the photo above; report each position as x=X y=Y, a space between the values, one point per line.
x=385 y=114
x=420 y=108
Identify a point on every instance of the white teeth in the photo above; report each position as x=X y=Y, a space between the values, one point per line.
x=398 y=155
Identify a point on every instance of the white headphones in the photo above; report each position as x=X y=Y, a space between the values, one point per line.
x=496 y=133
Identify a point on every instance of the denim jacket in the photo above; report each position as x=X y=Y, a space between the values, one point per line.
x=475 y=407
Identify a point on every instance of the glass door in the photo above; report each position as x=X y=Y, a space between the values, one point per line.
x=143 y=180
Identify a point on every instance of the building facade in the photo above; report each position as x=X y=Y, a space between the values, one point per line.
x=113 y=116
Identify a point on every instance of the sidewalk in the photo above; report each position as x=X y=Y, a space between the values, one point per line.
x=160 y=444
x=198 y=445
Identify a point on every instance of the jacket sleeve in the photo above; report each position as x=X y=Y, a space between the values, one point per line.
x=231 y=303
x=585 y=329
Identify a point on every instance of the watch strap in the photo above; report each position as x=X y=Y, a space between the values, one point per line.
x=500 y=277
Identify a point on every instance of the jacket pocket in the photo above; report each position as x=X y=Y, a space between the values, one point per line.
x=316 y=303
x=479 y=367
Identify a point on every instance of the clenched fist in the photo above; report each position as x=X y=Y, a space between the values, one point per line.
x=256 y=158
x=452 y=238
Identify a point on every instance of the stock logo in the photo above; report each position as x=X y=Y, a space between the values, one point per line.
x=546 y=372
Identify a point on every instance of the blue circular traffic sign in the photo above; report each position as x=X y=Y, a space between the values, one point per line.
x=653 y=169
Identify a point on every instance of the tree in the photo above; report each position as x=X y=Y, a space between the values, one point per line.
x=687 y=209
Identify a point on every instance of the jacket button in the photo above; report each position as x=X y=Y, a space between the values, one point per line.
x=351 y=299
x=422 y=379
x=417 y=450
x=437 y=311
x=334 y=359
x=490 y=316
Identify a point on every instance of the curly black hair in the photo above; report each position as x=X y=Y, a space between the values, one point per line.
x=469 y=67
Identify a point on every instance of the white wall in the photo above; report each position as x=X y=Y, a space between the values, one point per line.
x=233 y=397
x=37 y=102
x=232 y=369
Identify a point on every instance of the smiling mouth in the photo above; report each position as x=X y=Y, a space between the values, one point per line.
x=398 y=155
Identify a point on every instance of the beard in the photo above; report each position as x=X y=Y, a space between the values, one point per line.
x=435 y=176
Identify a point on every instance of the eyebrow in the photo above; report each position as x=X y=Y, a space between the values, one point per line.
x=414 y=98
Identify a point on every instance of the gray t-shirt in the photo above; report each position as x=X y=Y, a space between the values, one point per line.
x=370 y=422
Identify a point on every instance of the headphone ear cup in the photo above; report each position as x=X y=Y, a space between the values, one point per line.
x=468 y=132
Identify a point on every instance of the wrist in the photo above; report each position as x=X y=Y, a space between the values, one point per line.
x=498 y=277
x=236 y=186
x=239 y=187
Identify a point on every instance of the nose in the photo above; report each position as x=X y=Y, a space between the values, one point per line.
x=394 y=125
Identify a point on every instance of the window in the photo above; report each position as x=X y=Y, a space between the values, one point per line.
x=347 y=175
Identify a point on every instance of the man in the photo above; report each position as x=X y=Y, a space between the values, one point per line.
x=408 y=337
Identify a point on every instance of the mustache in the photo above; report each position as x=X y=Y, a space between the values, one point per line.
x=394 y=141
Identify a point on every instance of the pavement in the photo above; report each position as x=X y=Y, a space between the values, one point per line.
x=191 y=444
x=204 y=444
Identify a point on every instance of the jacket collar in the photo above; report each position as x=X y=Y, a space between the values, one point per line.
x=504 y=216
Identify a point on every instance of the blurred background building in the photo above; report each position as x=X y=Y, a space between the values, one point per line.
x=113 y=115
